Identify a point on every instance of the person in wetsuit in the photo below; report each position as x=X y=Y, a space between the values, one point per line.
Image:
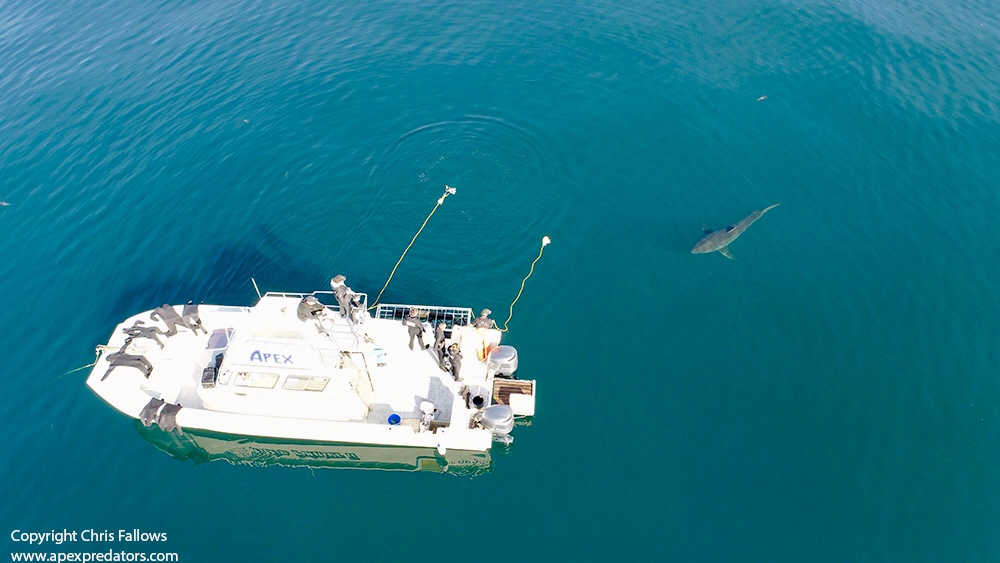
x=484 y=320
x=439 y=347
x=344 y=296
x=455 y=355
x=415 y=328
x=309 y=308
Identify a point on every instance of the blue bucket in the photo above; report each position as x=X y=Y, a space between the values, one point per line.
x=394 y=419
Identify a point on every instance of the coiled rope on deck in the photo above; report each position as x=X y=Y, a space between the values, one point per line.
x=545 y=242
x=448 y=190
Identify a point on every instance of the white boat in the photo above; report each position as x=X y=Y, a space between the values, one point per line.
x=294 y=367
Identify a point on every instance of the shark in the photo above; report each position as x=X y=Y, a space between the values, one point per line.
x=719 y=240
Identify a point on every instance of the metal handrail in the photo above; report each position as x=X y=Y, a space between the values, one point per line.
x=451 y=316
x=334 y=307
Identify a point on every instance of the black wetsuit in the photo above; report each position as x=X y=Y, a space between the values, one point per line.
x=168 y=315
x=139 y=331
x=191 y=318
x=120 y=358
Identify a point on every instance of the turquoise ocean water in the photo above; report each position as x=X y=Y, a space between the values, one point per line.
x=830 y=395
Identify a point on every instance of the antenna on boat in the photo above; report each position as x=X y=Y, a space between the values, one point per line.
x=257 y=289
x=448 y=190
x=545 y=242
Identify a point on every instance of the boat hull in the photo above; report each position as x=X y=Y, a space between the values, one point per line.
x=204 y=446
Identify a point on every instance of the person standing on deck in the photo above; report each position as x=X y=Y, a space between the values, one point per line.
x=343 y=295
x=456 y=361
x=482 y=324
x=415 y=328
x=439 y=348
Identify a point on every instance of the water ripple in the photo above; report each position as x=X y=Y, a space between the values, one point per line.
x=499 y=169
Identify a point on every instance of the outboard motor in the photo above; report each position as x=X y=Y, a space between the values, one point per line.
x=499 y=419
x=502 y=360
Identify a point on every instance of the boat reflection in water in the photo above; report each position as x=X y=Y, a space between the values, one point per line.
x=202 y=446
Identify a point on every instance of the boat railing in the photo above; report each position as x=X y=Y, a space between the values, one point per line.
x=452 y=316
x=327 y=298
x=433 y=314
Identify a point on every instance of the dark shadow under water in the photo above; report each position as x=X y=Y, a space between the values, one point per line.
x=221 y=275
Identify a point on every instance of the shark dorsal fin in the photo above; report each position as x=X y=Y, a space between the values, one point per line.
x=730 y=228
x=705 y=229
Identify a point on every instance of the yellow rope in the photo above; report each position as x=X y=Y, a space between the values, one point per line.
x=545 y=242
x=447 y=192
